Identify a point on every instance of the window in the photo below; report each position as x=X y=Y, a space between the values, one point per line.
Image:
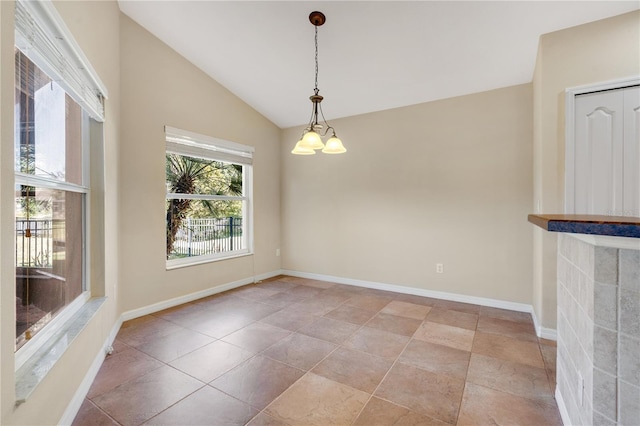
x=50 y=198
x=208 y=204
x=57 y=96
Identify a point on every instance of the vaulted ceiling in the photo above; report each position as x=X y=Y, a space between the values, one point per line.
x=374 y=55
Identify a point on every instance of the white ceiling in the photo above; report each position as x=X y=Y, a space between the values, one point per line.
x=373 y=55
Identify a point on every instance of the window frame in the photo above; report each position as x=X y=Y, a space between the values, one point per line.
x=190 y=144
x=42 y=36
x=29 y=349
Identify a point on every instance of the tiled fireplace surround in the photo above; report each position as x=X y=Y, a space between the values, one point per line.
x=598 y=356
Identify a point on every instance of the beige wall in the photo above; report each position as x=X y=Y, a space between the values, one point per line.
x=442 y=182
x=587 y=54
x=95 y=26
x=160 y=88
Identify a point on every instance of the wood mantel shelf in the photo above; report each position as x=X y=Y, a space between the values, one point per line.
x=616 y=226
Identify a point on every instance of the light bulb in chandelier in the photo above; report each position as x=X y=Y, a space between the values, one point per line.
x=312 y=140
x=302 y=149
x=334 y=146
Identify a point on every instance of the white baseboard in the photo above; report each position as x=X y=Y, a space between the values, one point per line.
x=564 y=414
x=165 y=304
x=78 y=398
x=545 y=333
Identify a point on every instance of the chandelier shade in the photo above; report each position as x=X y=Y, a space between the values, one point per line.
x=311 y=139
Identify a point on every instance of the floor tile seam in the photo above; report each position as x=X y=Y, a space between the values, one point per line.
x=464 y=390
x=104 y=412
x=92 y=399
x=175 y=403
x=473 y=351
x=267 y=414
x=261 y=352
x=395 y=361
x=540 y=400
x=183 y=355
x=528 y=320
x=497 y=333
x=517 y=363
x=314 y=365
x=285 y=391
x=535 y=400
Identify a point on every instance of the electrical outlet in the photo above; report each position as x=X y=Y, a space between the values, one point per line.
x=277 y=252
x=439 y=268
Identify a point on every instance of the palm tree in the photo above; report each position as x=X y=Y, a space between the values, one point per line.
x=189 y=175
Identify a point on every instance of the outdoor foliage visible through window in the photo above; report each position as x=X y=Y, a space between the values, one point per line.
x=205 y=207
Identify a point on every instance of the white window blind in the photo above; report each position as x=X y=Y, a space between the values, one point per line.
x=42 y=35
x=192 y=144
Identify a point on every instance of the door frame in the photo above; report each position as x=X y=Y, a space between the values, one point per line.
x=569 y=126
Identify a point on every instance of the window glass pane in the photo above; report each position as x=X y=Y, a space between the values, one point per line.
x=189 y=175
x=49 y=255
x=196 y=227
x=202 y=227
x=48 y=126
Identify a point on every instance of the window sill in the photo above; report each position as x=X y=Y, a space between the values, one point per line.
x=29 y=376
x=182 y=264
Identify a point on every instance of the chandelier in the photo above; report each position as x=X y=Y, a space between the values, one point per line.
x=311 y=139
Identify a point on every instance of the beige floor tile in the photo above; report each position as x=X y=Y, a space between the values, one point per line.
x=508 y=376
x=263 y=419
x=426 y=393
x=483 y=406
x=377 y=342
x=206 y=406
x=138 y=400
x=350 y=314
x=319 y=305
x=436 y=358
x=318 y=284
x=211 y=360
x=394 y=324
x=90 y=415
x=509 y=349
x=458 y=306
x=254 y=293
x=407 y=310
x=119 y=368
x=257 y=336
x=331 y=330
x=353 y=368
x=277 y=285
x=453 y=318
x=174 y=345
x=441 y=334
x=300 y=351
x=316 y=401
x=289 y=319
x=140 y=330
x=369 y=302
x=257 y=381
x=514 y=329
x=506 y=314
x=379 y=412
x=549 y=356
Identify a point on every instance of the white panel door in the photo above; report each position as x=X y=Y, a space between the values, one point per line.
x=606 y=154
x=631 y=194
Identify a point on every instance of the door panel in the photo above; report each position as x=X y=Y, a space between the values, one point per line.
x=631 y=190
x=599 y=153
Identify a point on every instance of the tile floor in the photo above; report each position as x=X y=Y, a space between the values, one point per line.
x=293 y=351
